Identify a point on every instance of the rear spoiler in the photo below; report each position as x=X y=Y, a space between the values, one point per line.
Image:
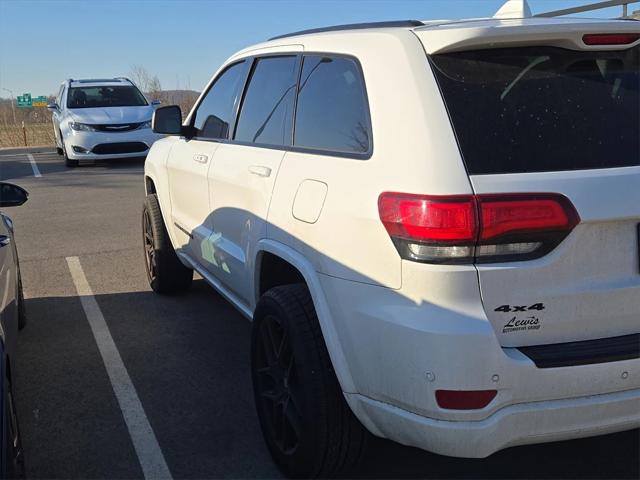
x=483 y=34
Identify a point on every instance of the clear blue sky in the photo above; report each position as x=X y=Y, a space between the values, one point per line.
x=183 y=42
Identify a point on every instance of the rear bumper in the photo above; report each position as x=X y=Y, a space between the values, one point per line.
x=401 y=346
x=520 y=424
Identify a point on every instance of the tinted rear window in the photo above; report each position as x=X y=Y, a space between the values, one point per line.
x=332 y=112
x=267 y=110
x=542 y=108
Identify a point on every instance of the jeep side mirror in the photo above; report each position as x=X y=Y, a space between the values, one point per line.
x=167 y=120
x=12 y=195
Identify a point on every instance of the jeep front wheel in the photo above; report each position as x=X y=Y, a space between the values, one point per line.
x=165 y=272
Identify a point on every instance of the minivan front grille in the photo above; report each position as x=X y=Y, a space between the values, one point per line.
x=587 y=352
x=119 y=148
x=115 y=128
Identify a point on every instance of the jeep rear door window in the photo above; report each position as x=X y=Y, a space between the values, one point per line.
x=105 y=96
x=217 y=109
x=332 y=112
x=539 y=109
x=266 y=116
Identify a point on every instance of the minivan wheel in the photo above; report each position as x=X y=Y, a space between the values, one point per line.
x=165 y=272
x=306 y=422
x=68 y=161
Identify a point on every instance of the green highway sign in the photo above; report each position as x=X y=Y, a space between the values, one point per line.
x=24 y=100
x=40 y=101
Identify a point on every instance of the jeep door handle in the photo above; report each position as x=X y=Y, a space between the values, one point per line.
x=260 y=170
x=201 y=158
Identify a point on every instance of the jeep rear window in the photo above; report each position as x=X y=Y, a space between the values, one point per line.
x=539 y=109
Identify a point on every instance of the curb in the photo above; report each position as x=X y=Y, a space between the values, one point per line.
x=46 y=149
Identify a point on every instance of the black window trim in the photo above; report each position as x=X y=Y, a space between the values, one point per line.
x=252 y=60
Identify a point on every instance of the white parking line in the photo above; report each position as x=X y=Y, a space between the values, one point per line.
x=34 y=166
x=144 y=440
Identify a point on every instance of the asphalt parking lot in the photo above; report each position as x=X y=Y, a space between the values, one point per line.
x=186 y=356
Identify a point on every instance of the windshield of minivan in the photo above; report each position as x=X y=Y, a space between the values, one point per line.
x=537 y=109
x=105 y=96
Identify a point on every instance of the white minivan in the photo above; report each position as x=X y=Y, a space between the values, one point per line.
x=101 y=119
x=434 y=226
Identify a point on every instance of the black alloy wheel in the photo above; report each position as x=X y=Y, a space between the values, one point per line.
x=149 y=248
x=305 y=420
x=275 y=369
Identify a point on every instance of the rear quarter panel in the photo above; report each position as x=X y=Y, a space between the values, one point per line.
x=414 y=151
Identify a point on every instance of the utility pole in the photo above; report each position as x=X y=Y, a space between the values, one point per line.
x=13 y=106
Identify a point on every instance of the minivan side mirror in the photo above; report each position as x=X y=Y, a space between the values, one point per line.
x=167 y=120
x=12 y=195
x=53 y=106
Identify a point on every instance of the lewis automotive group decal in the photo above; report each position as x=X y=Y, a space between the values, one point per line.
x=523 y=318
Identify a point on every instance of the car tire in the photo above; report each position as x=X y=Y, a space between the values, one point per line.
x=306 y=422
x=165 y=272
x=67 y=161
x=22 y=315
x=14 y=455
x=59 y=151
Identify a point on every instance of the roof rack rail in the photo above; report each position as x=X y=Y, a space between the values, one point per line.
x=354 y=26
x=95 y=80
x=590 y=7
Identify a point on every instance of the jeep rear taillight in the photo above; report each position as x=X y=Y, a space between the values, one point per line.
x=476 y=228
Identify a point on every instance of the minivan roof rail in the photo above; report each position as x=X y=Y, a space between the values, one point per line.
x=354 y=26
x=98 y=80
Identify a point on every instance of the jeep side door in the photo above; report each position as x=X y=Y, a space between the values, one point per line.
x=244 y=171
x=190 y=160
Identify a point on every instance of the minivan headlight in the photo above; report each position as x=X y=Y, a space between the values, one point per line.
x=81 y=127
x=146 y=124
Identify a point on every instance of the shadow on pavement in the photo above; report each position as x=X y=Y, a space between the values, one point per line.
x=17 y=166
x=188 y=357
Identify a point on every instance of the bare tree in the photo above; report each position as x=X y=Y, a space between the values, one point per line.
x=141 y=77
x=154 y=89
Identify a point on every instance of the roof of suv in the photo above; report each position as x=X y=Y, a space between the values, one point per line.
x=448 y=35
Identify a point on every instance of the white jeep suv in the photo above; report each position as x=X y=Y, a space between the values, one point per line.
x=433 y=225
x=98 y=119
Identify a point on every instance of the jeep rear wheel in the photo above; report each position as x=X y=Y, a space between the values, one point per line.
x=165 y=272
x=306 y=422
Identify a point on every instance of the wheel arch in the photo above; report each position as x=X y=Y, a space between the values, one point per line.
x=149 y=185
x=273 y=251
